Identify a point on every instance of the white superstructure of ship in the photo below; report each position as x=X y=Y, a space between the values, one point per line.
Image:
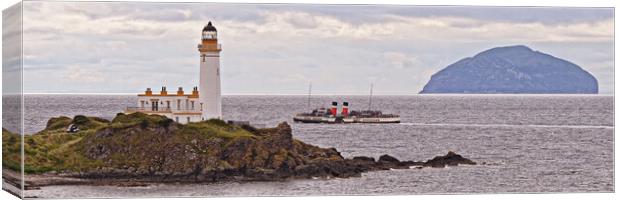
x=323 y=115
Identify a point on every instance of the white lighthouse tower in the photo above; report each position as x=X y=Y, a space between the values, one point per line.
x=210 y=92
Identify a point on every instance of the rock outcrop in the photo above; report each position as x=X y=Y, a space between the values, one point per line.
x=156 y=149
x=512 y=69
x=450 y=159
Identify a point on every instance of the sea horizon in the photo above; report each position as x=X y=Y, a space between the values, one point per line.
x=561 y=143
x=334 y=94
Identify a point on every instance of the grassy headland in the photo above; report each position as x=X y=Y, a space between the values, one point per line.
x=154 y=148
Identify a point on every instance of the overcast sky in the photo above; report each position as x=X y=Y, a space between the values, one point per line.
x=121 y=47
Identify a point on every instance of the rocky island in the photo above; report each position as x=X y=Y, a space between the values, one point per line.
x=137 y=149
x=513 y=70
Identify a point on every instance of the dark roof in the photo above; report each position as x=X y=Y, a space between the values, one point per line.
x=209 y=27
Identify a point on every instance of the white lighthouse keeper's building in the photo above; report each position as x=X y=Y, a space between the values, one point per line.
x=192 y=107
x=209 y=84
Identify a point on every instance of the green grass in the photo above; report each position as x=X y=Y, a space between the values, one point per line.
x=11 y=150
x=53 y=149
x=211 y=130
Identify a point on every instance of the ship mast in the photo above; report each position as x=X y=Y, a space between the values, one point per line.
x=370 y=98
x=309 y=94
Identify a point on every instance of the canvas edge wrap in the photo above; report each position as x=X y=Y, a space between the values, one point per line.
x=12 y=86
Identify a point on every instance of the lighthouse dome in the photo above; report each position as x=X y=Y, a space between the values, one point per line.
x=209 y=32
x=209 y=27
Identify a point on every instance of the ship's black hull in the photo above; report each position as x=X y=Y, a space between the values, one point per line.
x=342 y=120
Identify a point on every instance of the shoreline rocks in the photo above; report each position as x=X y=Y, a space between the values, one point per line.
x=134 y=149
x=450 y=159
x=345 y=168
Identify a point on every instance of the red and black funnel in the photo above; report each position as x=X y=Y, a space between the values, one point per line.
x=345 y=109
x=334 y=109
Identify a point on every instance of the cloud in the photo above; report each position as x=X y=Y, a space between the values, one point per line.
x=399 y=60
x=84 y=74
x=303 y=24
x=278 y=48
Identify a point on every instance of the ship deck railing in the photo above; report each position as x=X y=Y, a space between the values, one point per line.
x=358 y=116
x=375 y=116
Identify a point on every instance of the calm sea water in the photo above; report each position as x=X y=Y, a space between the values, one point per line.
x=526 y=144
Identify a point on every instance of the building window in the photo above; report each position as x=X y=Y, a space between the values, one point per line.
x=187 y=119
x=168 y=104
x=186 y=104
x=142 y=104
x=192 y=105
x=176 y=119
x=154 y=105
x=178 y=104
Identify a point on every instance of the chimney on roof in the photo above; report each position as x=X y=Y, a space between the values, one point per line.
x=163 y=91
x=180 y=92
x=195 y=92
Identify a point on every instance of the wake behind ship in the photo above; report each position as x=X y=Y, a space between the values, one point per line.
x=331 y=116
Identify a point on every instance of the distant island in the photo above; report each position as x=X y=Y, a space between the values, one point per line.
x=512 y=70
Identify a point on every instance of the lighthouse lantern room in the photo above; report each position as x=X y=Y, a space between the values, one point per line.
x=209 y=32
